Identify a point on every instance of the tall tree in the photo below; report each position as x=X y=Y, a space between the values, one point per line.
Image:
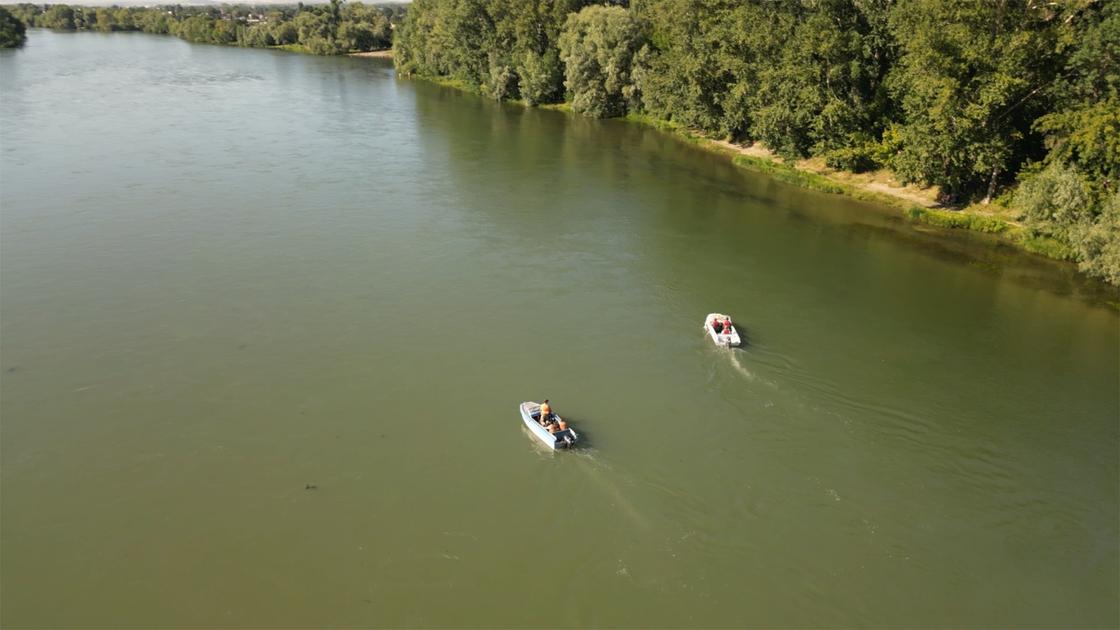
x=13 y=33
x=598 y=46
x=971 y=79
x=1073 y=194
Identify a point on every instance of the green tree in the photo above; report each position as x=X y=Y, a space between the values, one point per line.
x=58 y=16
x=13 y=33
x=105 y=20
x=1084 y=127
x=541 y=77
x=374 y=33
x=1074 y=197
x=1098 y=242
x=317 y=32
x=700 y=68
x=154 y=21
x=598 y=46
x=284 y=33
x=356 y=36
x=1054 y=200
x=26 y=13
x=256 y=36
x=970 y=80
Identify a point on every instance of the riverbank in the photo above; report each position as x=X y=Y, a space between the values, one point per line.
x=379 y=54
x=918 y=204
x=915 y=203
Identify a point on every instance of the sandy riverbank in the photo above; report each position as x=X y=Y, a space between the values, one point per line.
x=880 y=182
x=384 y=54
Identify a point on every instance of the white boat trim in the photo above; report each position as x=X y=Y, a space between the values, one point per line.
x=721 y=339
x=551 y=440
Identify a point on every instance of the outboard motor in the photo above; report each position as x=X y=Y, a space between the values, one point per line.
x=568 y=440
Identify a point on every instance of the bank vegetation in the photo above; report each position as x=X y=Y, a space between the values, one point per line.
x=334 y=28
x=1008 y=110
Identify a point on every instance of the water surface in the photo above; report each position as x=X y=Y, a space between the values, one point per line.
x=228 y=274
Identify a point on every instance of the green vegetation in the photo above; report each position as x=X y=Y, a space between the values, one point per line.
x=957 y=220
x=12 y=30
x=1013 y=99
x=597 y=48
x=786 y=173
x=330 y=29
x=1016 y=100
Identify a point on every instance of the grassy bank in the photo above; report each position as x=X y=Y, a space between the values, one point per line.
x=379 y=54
x=296 y=48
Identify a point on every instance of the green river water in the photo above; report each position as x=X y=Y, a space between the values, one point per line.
x=229 y=274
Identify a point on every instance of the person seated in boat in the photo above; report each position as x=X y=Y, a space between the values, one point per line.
x=560 y=424
x=727 y=326
x=546 y=413
x=717 y=325
x=553 y=427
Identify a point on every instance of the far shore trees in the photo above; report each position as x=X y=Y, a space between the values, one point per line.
x=332 y=29
x=12 y=31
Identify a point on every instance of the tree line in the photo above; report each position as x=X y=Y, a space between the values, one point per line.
x=13 y=32
x=330 y=29
x=1011 y=101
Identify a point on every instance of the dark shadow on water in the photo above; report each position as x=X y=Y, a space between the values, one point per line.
x=996 y=258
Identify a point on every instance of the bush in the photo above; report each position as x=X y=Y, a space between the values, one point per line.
x=501 y=80
x=1098 y=243
x=858 y=159
x=955 y=220
x=541 y=77
x=1052 y=201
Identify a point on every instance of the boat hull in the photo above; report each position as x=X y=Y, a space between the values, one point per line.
x=721 y=339
x=563 y=439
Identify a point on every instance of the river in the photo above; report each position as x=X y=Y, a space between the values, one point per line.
x=266 y=319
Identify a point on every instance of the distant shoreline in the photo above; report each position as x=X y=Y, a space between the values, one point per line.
x=383 y=54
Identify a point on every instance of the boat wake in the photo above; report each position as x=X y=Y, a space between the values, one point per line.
x=739 y=367
x=603 y=476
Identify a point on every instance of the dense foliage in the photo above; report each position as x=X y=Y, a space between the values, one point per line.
x=12 y=30
x=329 y=29
x=976 y=98
x=597 y=48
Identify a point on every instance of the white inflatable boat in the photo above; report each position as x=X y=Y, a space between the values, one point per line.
x=726 y=336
